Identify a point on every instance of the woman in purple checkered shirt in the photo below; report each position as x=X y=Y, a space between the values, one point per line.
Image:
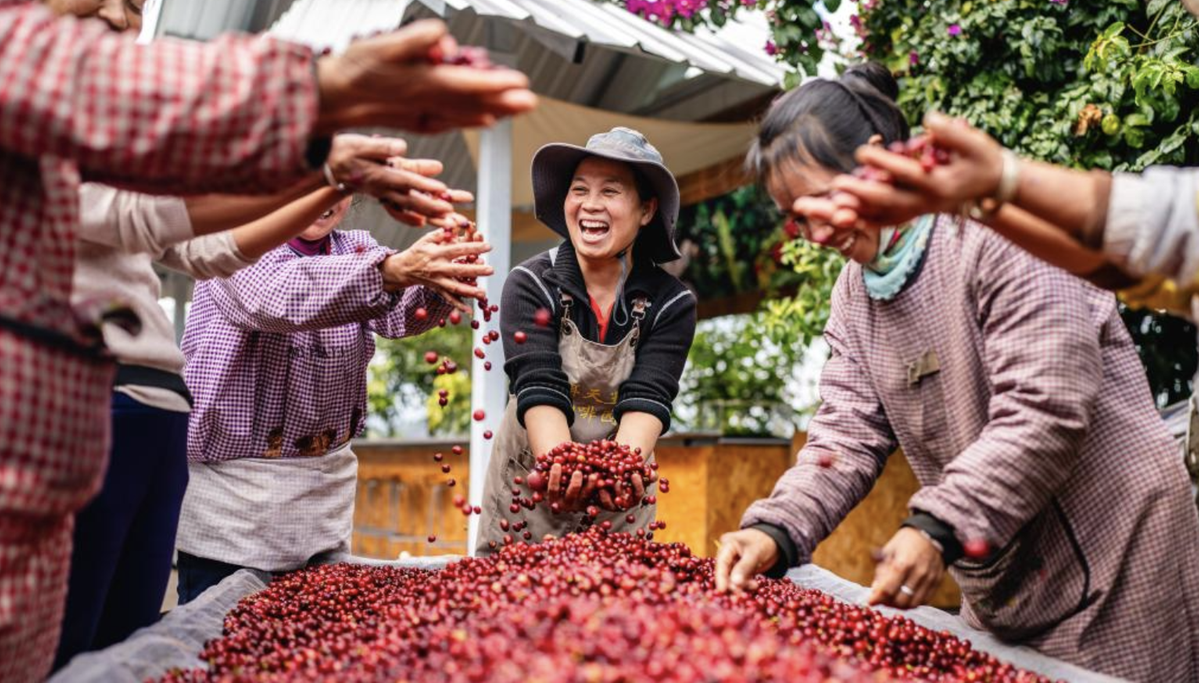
x=276 y=359
x=1050 y=487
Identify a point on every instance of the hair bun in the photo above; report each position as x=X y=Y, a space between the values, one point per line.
x=874 y=75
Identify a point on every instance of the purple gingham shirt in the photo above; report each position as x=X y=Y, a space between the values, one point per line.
x=277 y=354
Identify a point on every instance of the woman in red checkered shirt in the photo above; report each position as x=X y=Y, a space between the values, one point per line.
x=80 y=102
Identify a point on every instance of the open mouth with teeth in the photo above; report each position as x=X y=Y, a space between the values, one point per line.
x=326 y=215
x=845 y=245
x=593 y=231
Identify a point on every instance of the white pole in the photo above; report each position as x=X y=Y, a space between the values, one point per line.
x=151 y=13
x=489 y=389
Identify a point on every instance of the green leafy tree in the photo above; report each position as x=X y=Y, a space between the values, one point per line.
x=400 y=382
x=736 y=383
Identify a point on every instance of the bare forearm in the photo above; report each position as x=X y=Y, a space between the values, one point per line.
x=217 y=212
x=547 y=428
x=1074 y=201
x=639 y=430
x=258 y=237
x=1046 y=241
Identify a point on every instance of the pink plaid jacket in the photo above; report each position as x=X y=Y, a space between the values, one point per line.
x=80 y=102
x=1036 y=434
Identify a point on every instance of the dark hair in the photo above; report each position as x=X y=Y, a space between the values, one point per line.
x=823 y=121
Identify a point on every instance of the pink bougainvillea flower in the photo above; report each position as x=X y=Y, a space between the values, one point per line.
x=954 y=30
x=771 y=48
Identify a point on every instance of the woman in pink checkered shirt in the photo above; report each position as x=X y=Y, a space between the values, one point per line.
x=1050 y=488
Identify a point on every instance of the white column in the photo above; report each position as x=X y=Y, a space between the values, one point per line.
x=489 y=389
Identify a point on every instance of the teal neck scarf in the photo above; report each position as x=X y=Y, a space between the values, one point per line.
x=886 y=275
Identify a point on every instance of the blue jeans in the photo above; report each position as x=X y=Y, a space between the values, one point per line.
x=198 y=574
x=124 y=538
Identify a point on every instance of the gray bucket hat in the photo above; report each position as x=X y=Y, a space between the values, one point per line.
x=554 y=164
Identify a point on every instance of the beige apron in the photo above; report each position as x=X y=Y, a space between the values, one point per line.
x=596 y=372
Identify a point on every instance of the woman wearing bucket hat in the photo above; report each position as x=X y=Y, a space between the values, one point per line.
x=605 y=362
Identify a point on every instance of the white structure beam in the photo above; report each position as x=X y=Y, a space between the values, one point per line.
x=489 y=389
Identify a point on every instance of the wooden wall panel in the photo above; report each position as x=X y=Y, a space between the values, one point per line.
x=402 y=498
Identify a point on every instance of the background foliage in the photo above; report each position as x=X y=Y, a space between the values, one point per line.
x=1110 y=85
x=400 y=384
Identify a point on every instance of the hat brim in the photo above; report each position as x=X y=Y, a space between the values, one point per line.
x=1192 y=5
x=553 y=167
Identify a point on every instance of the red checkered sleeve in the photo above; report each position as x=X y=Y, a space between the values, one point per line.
x=171 y=117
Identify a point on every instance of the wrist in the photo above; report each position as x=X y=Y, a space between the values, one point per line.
x=331 y=86
x=394 y=278
x=1004 y=190
x=940 y=534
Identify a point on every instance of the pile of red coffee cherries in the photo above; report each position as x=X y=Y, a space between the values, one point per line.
x=589 y=607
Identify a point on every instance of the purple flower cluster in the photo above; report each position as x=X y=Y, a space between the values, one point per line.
x=664 y=11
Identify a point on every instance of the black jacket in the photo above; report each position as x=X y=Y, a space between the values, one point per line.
x=534 y=368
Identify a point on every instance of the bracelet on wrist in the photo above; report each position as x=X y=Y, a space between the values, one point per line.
x=985 y=209
x=333 y=182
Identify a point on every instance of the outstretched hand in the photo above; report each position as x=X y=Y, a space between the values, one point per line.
x=899 y=188
x=407 y=188
x=432 y=264
x=399 y=80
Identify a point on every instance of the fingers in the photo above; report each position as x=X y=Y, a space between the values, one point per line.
x=419 y=203
x=412 y=218
x=638 y=490
x=741 y=576
x=461 y=270
x=574 y=489
x=411 y=43
x=605 y=500
x=819 y=209
x=730 y=552
x=889 y=576
x=424 y=167
x=954 y=134
x=460 y=196
x=876 y=201
x=458 y=249
x=452 y=299
x=555 y=484
x=903 y=170
x=590 y=484
x=458 y=290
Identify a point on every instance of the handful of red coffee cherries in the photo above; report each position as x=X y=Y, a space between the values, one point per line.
x=611 y=467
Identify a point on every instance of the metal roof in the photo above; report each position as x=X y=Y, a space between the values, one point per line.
x=735 y=51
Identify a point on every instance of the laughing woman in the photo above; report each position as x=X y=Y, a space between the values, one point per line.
x=1049 y=485
x=608 y=363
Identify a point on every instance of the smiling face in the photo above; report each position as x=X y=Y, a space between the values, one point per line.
x=327 y=221
x=121 y=15
x=603 y=210
x=792 y=181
